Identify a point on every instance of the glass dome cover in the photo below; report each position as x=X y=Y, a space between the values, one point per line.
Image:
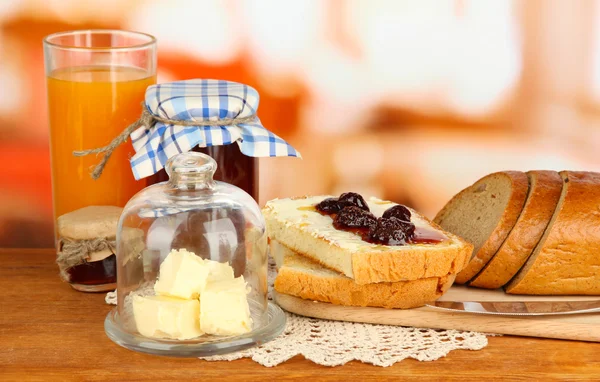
x=192 y=267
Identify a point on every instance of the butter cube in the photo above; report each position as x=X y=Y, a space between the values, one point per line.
x=218 y=271
x=182 y=274
x=167 y=317
x=224 y=309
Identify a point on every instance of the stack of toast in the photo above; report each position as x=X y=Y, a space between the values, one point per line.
x=319 y=261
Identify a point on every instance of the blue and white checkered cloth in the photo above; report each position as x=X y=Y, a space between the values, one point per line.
x=201 y=100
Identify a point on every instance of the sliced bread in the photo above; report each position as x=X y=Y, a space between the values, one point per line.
x=296 y=224
x=298 y=276
x=567 y=258
x=544 y=192
x=483 y=214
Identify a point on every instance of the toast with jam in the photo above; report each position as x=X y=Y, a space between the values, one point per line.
x=301 y=277
x=368 y=242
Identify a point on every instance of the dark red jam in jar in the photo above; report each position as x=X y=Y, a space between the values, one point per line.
x=233 y=167
x=97 y=275
x=351 y=213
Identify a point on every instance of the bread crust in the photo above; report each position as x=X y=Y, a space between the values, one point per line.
x=341 y=290
x=409 y=262
x=544 y=193
x=566 y=261
x=520 y=187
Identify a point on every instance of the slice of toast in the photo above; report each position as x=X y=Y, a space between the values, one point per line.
x=544 y=191
x=296 y=224
x=298 y=276
x=566 y=260
x=484 y=214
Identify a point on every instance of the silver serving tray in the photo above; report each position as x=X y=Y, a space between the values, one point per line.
x=519 y=308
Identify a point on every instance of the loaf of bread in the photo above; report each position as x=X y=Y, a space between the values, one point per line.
x=484 y=214
x=550 y=244
x=299 y=226
x=544 y=191
x=299 y=276
x=567 y=258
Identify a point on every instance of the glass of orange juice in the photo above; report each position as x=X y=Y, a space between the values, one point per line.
x=96 y=82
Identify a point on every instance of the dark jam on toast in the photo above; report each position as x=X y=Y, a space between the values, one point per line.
x=351 y=213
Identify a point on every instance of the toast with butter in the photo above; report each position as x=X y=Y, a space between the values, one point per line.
x=299 y=276
x=427 y=252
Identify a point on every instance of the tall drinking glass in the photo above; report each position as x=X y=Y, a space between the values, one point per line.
x=96 y=81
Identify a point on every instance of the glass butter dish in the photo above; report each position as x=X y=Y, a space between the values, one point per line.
x=192 y=267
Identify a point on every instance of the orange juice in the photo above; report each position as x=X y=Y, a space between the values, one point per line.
x=88 y=107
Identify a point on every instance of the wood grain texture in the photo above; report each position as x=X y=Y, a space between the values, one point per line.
x=49 y=332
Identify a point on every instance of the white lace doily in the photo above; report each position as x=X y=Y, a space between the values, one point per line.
x=334 y=343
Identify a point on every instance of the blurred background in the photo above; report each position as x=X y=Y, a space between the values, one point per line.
x=408 y=100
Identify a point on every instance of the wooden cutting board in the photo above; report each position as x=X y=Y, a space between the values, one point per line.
x=583 y=327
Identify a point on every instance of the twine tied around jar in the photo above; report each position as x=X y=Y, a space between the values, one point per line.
x=148 y=119
x=76 y=252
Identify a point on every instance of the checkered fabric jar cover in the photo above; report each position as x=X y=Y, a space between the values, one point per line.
x=201 y=100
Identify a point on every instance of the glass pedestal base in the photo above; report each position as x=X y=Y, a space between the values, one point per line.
x=273 y=326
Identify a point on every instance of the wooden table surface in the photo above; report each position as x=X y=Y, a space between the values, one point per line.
x=50 y=332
